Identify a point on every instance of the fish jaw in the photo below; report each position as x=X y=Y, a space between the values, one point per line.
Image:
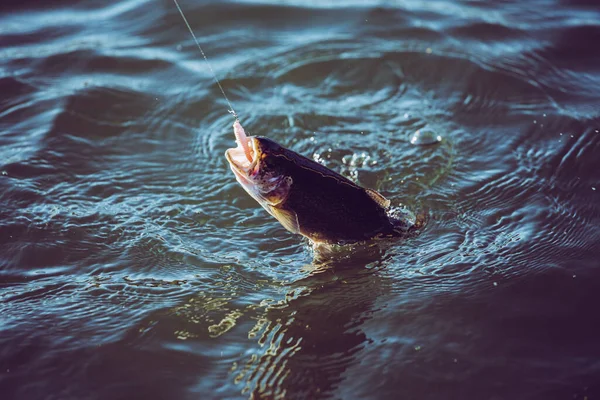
x=242 y=140
x=268 y=187
x=243 y=168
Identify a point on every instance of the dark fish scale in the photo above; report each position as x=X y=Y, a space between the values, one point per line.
x=328 y=207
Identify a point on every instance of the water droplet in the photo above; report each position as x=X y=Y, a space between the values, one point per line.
x=424 y=137
x=428 y=50
x=535 y=121
x=495 y=283
x=417 y=347
x=593 y=188
x=4 y=173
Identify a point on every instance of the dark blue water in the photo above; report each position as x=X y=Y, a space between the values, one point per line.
x=133 y=266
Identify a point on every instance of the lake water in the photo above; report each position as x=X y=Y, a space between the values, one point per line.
x=133 y=266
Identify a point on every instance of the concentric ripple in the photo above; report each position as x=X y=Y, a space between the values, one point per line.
x=132 y=265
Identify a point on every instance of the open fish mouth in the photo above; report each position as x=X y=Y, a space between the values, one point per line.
x=243 y=159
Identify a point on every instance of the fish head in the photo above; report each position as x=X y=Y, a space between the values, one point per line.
x=260 y=171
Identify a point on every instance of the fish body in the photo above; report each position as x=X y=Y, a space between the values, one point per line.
x=308 y=198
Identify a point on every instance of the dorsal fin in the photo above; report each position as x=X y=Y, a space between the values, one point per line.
x=378 y=198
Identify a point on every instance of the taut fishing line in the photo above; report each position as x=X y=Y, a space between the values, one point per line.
x=231 y=111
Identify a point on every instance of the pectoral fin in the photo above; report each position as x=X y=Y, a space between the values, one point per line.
x=378 y=198
x=288 y=219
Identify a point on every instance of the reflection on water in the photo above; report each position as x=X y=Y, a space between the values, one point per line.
x=309 y=338
x=132 y=265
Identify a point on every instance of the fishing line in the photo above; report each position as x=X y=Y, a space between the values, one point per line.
x=231 y=111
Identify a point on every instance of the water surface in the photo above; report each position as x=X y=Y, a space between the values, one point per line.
x=132 y=265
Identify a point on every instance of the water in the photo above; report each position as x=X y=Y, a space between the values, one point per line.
x=132 y=265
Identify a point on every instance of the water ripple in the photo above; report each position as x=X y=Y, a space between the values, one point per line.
x=128 y=253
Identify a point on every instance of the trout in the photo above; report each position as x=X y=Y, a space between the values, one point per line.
x=308 y=198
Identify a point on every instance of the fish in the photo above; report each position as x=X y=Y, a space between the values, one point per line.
x=310 y=199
